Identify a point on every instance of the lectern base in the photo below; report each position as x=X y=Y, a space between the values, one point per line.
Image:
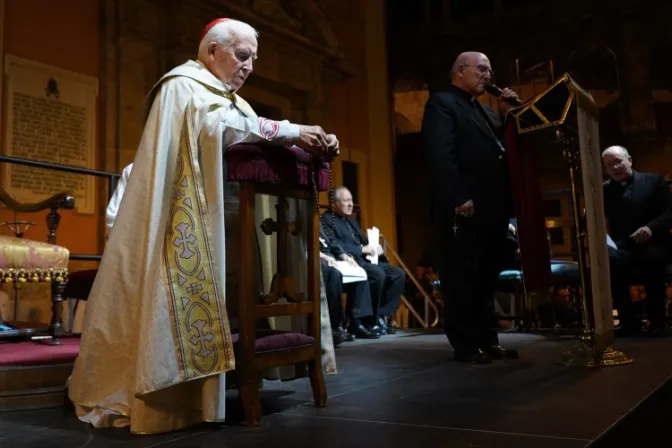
x=585 y=354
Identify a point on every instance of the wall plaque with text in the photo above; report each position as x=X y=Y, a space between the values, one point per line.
x=50 y=116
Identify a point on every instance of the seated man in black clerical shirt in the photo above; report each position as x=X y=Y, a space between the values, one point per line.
x=358 y=300
x=386 y=282
x=638 y=208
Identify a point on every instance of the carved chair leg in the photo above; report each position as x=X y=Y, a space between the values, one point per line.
x=248 y=387
x=317 y=383
x=56 y=329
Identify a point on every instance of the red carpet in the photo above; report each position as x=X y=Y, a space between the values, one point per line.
x=30 y=353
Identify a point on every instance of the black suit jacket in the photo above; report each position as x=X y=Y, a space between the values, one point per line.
x=650 y=205
x=462 y=142
x=348 y=234
x=329 y=245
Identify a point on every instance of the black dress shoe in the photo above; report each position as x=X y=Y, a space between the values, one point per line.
x=499 y=352
x=473 y=357
x=377 y=329
x=338 y=338
x=346 y=336
x=386 y=326
x=361 y=332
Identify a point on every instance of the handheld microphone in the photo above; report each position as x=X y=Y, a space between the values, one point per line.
x=497 y=92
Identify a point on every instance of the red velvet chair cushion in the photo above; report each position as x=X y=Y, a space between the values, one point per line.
x=273 y=164
x=79 y=284
x=29 y=353
x=268 y=341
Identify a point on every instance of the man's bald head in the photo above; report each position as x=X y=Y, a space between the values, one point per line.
x=471 y=71
x=615 y=150
x=618 y=163
x=466 y=58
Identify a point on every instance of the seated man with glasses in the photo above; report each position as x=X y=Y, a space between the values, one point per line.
x=638 y=208
x=386 y=282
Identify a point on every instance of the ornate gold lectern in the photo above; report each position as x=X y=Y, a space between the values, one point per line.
x=566 y=116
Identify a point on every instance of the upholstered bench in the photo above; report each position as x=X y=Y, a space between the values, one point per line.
x=27 y=261
x=283 y=173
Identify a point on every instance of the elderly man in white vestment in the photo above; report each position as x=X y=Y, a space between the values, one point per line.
x=156 y=341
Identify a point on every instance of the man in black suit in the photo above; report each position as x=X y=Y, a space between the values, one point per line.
x=386 y=282
x=638 y=208
x=358 y=300
x=472 y=206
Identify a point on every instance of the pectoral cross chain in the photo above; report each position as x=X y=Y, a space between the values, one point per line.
x=455 y=226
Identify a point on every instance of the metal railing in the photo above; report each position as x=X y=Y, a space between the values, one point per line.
x=428 y=302
x=112 y=180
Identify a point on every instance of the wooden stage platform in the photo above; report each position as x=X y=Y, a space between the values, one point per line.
x=405 y=390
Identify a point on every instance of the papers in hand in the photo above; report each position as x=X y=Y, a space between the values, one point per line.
x=374 y=241
x=350 y=273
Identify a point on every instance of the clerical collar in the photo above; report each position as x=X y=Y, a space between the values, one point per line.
x=629 y=180
x=463 y=93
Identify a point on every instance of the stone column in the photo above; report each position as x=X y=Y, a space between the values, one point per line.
x=380 y=154
x=109 y=88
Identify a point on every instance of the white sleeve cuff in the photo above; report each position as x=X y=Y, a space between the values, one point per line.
x=293 y=132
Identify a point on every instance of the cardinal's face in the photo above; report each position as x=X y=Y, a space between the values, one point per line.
x=232 y=64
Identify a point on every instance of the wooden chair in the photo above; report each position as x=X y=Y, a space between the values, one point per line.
x=23 y=261
x=283 y=173
x=78 y=288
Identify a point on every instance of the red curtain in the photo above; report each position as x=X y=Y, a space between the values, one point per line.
x=528 y=204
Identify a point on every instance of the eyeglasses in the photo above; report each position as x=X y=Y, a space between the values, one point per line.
x=482 y=69
x=615 y=165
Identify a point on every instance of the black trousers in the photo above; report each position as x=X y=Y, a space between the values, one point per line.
x=470 y=260
x=648 y=262
x=386 y=285
x=358 y=297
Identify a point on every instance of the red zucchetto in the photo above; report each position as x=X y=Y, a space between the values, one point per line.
x=209 y=26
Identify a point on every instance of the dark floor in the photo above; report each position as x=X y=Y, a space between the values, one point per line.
x=647 y=425
x=404 y=391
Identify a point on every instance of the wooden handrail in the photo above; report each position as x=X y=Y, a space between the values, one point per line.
x=428 y=301
x=59 y=201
